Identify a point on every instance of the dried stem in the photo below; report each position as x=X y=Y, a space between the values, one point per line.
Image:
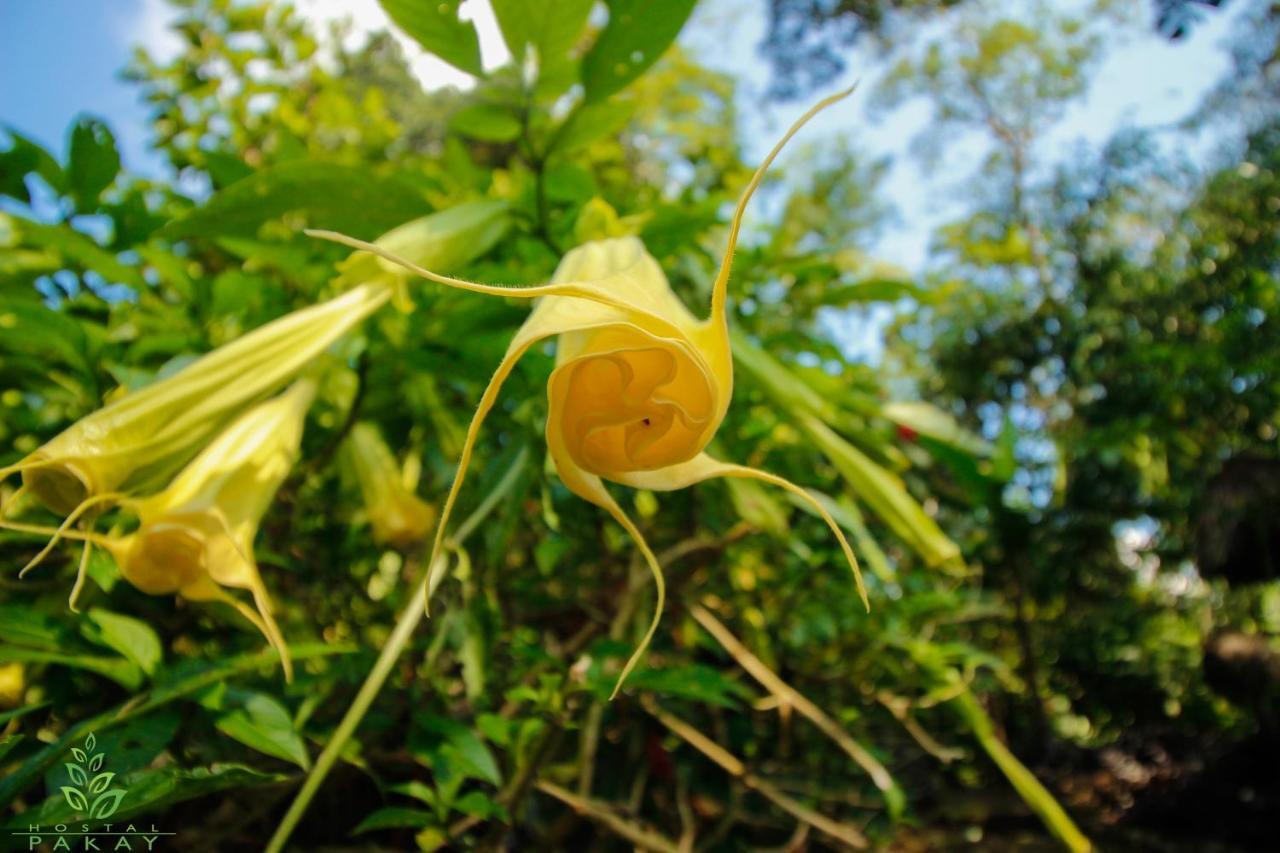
x=789 y=696
x=842 y=832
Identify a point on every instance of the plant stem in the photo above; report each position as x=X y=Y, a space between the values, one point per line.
x=1033 y=793
x=412 y=614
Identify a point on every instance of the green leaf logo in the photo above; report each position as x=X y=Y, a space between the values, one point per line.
x=91 y=796
x=74 y=798
x=105 y=806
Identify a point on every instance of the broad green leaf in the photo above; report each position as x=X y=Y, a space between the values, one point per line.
x=133 y=638
x=394 y=817
x=441 y=242
x=93 y=161
x=417 y=790
x=264 y=724
x=462 y=748
x=434 y=24
x=350 y=199
x=73 y=248
x=35 y=338
x=927 y=419
x=22 y=158
x=550 y=27
x=488 y=122
x=638 y=33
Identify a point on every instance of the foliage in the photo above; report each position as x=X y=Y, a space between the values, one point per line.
x=1086 y=350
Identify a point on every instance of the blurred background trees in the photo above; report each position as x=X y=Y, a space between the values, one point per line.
x=1061 y=476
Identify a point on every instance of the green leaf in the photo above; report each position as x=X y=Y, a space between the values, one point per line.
x=106 y=804
x=99 y=783
x=394 y=817
x=93 y=161
x=638 y=33
x=131 y=637
x=74 y=249
x=456 y=744
x=550 y=27
x=927 y=419
x=75 y=798
x=487 y=122
x=77 y=774
x=22 y=158
x=79 y=755
x=434 y=24
x=417 y=790
x=262 y=723
x=350 y=199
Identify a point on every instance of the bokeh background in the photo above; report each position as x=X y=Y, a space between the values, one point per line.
x=1010 y=309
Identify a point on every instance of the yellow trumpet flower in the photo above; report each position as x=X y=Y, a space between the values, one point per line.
x=195 y=538
x=134 y=443
x=398 y=517
x=640 y=385
x=138 y=440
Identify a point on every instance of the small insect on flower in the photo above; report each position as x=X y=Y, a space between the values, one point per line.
x=398 y=517
x=137 y=442
x=640 y=385
x=195 y=538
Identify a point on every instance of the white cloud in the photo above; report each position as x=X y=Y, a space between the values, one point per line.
x=146 y=25
x=367 y=16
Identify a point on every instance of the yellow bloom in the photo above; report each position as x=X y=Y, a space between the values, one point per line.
x=640 y=386
x=398 y=517
x=195 y=538
x=138 y=440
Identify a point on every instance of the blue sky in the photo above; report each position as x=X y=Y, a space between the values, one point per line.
x=59 y=58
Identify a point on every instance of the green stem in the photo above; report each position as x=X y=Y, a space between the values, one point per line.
x=391 y=651
x=1035 y=795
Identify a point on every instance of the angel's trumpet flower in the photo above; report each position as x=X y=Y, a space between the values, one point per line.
x=137 y=441
x=398 y=517
x=195 y=538
x=640 y=384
